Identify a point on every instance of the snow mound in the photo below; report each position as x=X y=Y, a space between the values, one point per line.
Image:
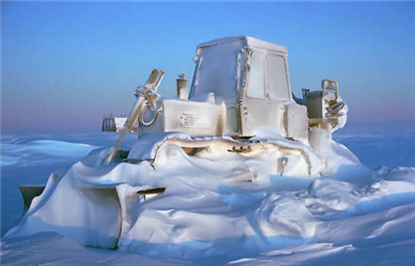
x=384 y=189
x=205 y=216
x=201 y=215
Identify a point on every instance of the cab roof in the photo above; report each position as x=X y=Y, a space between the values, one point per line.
x=249 y=41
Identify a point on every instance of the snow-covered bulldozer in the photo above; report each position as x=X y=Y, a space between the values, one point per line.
x=239 y=122
x=239 y=102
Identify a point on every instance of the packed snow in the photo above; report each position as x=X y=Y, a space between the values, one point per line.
x=360 y=215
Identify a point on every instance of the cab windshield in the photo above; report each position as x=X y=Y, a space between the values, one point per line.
x=216 y=72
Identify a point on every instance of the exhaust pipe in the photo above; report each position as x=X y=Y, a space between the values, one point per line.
x=182 y=88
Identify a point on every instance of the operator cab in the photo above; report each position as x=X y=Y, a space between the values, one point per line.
x=251 y=77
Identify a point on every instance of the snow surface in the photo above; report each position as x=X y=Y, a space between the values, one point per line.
x=359 y=215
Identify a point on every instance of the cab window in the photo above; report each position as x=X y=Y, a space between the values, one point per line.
x=256 y=78
x=277 y=78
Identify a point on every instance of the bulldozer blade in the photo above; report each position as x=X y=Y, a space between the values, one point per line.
x=107 y=208
x=29 y=193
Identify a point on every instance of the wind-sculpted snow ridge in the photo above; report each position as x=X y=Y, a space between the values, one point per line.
x=27 y=152
x=205 y=218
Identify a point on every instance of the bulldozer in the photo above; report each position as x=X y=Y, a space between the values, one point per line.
x=239 y=106
x=239 y=102
x=240 y=89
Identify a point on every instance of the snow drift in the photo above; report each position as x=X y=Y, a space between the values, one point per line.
x=203 y=213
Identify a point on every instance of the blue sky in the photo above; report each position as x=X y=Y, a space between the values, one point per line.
x=64 y=64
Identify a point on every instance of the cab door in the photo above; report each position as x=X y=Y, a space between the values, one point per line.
x=265 y=93
x=277 y=90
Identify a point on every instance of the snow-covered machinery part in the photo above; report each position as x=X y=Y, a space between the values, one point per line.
x=146 y=95
x=324 y=107
x=182 y=87
x=106 y=208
